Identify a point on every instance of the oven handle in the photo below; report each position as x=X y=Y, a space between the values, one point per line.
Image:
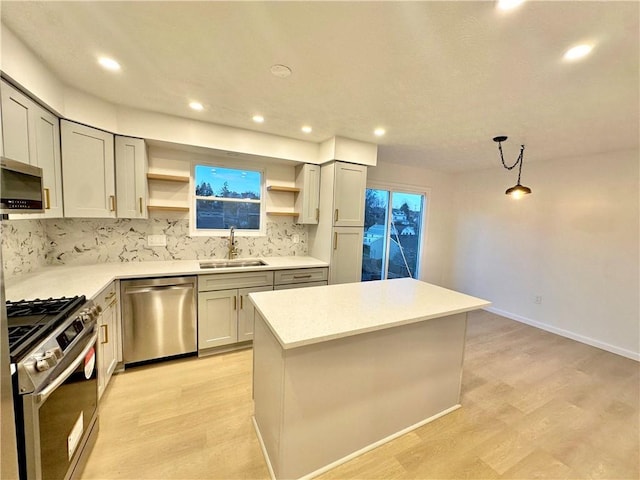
x=46 y=392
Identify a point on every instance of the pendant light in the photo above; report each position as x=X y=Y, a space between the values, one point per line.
x=518 y=190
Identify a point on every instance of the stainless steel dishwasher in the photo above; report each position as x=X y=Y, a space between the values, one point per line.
x=158 y=317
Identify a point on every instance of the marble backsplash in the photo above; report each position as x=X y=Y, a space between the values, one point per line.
x=30 y=244
x=25 y=246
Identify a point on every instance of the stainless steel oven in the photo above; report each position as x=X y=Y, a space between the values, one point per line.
x=56 y=389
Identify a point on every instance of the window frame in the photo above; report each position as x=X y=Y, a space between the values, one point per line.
x=220 y=232
x=392 y=187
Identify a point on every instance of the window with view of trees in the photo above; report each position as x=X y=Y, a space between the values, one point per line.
x=392 y=234
x=227 y=197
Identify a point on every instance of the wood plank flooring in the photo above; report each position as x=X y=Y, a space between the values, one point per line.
x=534 y=405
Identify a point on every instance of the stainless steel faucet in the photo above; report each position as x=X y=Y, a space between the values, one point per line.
x=233 y=250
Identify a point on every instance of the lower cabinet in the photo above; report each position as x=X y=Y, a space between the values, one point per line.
x=225 y=315
x=107 y=336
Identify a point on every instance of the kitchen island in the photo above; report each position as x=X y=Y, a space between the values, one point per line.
x=341 y=369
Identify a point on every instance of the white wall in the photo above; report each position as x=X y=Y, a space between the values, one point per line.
x=574 y=242
x=436 y=254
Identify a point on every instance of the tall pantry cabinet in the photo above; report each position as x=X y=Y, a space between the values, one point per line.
x=337 y=238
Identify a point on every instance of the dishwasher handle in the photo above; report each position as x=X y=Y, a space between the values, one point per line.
x=155 y=288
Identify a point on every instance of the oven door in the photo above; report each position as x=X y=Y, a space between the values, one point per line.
x=60 y=420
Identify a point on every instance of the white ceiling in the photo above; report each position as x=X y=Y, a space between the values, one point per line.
x=443 y=78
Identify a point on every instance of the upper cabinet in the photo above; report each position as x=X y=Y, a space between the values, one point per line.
x=89 y=173
x=31 y=134
x=307 y=200
x=350 y=183
x=131 y=177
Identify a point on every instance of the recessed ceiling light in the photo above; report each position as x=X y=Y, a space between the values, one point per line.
x=258 y=118
x=306 y=129
x=378 y=132
x=509 y=4
x=281 y=71
x=196 y=106
x=577 y=52
x=109 y=64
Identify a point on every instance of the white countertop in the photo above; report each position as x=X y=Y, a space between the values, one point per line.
x=90 y=280
x=316 y=314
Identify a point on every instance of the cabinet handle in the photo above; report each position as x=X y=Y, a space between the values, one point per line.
x=47 y=199
x=235 y=303
x=335 y=217
x=335 y=240
x=241 y=302
x=140 y=205
x=317 y=214
x=112 y=203
x=106 y=333
x=302 y=276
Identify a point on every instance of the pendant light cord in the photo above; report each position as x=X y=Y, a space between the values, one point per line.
x=518 y=161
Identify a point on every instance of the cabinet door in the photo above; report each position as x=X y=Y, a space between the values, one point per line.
x=131 y=177
x=308 y=199
x=217 y=318
x=107 y=337
x=18 y=137
x=348 y=200
x=47 y=157
x=246 y=313
x=346 y=258
x=88 y=172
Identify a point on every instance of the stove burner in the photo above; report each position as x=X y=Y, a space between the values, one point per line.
x=51 y=306
x=30 y=321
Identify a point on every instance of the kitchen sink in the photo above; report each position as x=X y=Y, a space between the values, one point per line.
x=230 y=263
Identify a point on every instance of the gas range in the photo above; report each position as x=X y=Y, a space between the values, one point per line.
x=41 y=331
x=53 y=347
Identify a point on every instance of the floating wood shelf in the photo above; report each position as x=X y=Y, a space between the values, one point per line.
x=167 y=208
x=168 y=178
x=283 y=214
x=278 y=188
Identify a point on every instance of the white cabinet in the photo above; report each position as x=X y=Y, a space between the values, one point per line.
x=307 y=200
x=346 y=256
x=225 y=315
x=348 y=194
x=337 y=239
x=246 y=313
x=131 y=177
x=31 y=134
x=88 y=173
x=108 y=334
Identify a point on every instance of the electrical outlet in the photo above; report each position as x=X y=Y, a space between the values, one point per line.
x=296 y=238
x=537 y=300
x=157 y=240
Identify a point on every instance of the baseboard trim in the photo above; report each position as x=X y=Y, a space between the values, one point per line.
x=568 y=334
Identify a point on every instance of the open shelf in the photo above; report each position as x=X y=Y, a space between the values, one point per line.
x=167 y=178
x=282 y=214
x=278 y=188
x=167 y=208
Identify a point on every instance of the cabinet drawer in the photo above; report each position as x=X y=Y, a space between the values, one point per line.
x=224 y=281
x=300 y=275
x=106 y=296
x=300 y=285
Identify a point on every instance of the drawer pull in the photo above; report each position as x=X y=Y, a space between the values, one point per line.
x=302 y=276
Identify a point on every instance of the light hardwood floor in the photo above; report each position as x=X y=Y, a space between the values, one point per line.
x=534 y=405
